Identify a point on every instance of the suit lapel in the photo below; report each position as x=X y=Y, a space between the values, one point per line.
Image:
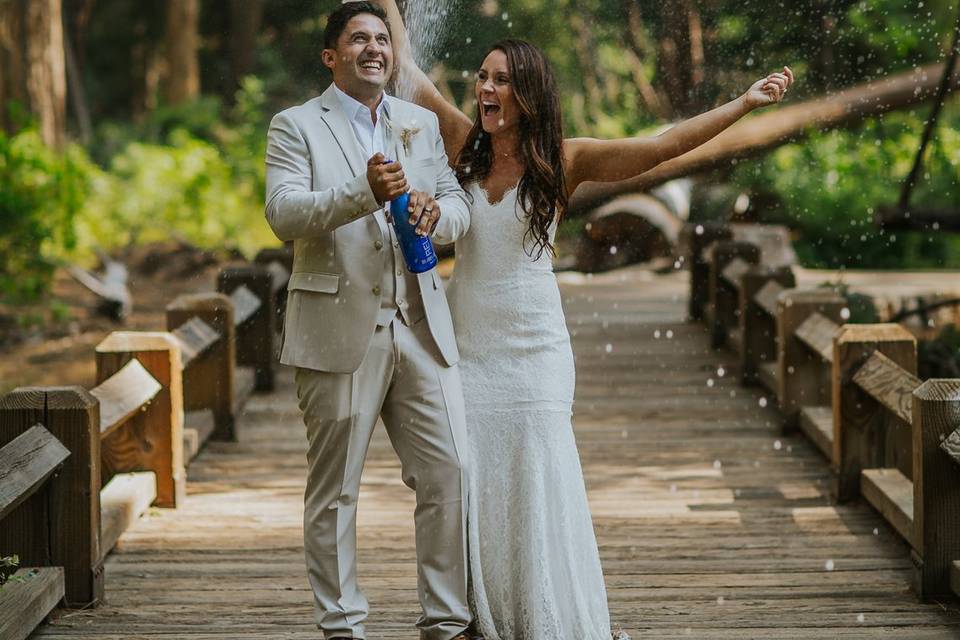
x=336 y=120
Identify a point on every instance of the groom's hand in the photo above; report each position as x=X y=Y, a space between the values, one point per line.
x=386 y=179
x=424 y=212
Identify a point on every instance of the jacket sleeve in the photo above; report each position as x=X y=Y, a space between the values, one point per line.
x=293 y=210
x=454 y=204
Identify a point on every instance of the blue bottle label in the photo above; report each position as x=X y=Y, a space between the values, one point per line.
x=417 y=250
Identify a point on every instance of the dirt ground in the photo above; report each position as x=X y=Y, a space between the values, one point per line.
x=52 y=342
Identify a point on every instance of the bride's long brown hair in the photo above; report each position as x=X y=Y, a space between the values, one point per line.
x=542 y=191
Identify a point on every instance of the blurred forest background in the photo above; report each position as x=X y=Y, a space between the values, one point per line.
x=126 y=122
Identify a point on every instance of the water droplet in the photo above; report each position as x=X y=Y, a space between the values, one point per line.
x=717 y=464
x=777 y=445
x=613 y=250
x=860 y=617
x=709 y=382
x=828 y=565
x=721 y=372
x=845 y=313
x=762 y=402
x=608 y=348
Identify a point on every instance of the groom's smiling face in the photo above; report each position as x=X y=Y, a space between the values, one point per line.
x=363 y=60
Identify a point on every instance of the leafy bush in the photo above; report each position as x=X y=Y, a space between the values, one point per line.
x=829 y=187
x=40 y=195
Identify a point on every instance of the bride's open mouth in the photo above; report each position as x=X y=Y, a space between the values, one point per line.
x=490 y=108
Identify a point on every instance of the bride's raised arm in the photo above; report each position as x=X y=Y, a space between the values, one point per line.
x=454 y=125
x=592 y=160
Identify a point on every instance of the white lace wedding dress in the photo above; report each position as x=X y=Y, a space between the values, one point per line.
x=534 y=564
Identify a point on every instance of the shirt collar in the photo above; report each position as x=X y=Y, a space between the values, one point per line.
x=356 y=109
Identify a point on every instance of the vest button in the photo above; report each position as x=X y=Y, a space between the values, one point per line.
x=376 y=290
x=378 y=244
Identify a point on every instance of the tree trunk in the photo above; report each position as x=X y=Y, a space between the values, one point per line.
x=681 y=56
x=181 y=69
x=32 y=65
x=245 y=18
x=778 y=126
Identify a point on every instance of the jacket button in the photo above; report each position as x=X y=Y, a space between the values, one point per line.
x=378 y=244
x=376 y=290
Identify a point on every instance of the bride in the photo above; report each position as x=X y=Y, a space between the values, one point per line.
x=534 y=565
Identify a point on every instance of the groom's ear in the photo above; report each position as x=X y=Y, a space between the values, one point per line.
x=329 y=58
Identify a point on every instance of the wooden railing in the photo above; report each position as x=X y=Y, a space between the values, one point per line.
x=852 y=389
x=123 y=445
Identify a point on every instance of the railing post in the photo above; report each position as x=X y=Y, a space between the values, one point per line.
x=283 y=256
x=60 y=524
x=804 y=380
x=209 y=382
x=255 y=336
x=153 y=438
x=936 y=489
x=724 y=309
x=758 y=327
x=697 y=237
x=859 y=421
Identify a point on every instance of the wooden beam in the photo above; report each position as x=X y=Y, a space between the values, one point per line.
x=152 y=439
x=891 y=494
x=60 y=525
x=817 y=424
x=757 y=327
x=766 y=298
x=865 y=437
x=694 y=240
x=817 y=332
x=125 y=498
x=27 y=599
x=209 y=381
x=803 y=378
x=124 y=394
x=195 y=337
x=724 y=298
x=775 y=127
x=26 y=464
x=951 y=445
x=734 y=271
x=936 y=405
x=245 y=304
x=255 y=336
x=889 y=384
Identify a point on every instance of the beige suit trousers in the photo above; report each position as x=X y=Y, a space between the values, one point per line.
x=401 y=379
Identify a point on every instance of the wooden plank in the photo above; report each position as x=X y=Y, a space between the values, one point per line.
x=766 y=298
x=817 y=424
x=955 y=577
x=197 y=428
x=194 y=336
x=936 y=489
x=769 y=376
x=245 y=304
x=246 y=378
x=123 y=394
x=25 y=464
x=817 y=332
x=889 y=384
x=279 y=275
x=27 y=599
x=735 y=339
x=125 y=498
x=951 y=445
x=891 y=493
x=735 y=270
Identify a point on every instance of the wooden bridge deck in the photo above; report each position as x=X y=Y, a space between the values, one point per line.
x=711 y=525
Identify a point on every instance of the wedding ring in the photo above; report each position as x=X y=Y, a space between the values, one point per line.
x=428 y=209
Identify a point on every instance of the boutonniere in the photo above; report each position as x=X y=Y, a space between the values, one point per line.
x=404 y=132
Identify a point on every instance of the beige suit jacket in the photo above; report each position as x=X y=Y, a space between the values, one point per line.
x=318 y=197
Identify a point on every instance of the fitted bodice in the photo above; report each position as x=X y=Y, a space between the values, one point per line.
x=497 y=247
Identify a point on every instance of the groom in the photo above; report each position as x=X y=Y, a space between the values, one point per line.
x=367 y=337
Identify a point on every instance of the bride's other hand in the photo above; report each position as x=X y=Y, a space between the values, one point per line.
x=769 y=90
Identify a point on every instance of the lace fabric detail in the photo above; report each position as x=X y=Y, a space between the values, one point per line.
x=534 y=564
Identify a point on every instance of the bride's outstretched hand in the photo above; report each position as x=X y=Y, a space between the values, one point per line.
x=769 y=90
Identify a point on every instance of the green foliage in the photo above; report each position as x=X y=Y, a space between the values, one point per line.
x=8 y=566
x=830 y=186
x=40 y=194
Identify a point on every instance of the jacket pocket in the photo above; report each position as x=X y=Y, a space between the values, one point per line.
x=314 y=281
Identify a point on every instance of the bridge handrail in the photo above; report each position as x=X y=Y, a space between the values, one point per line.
x=133 y=420
x=853 y=390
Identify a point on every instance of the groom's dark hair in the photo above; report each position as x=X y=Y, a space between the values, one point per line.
x=337 y=21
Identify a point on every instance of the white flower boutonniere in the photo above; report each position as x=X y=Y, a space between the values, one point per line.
x=405 y=133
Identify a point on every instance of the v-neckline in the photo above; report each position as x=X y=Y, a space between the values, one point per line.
x=503 y=196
